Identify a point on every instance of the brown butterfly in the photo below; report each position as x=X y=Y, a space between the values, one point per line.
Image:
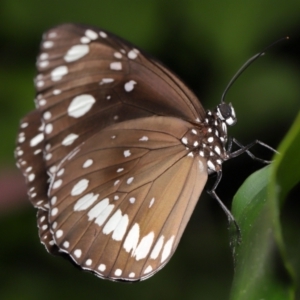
x=116 y=153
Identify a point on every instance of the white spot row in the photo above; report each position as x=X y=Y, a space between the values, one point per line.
x=140 y=249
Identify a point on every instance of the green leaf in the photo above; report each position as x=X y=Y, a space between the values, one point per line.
x=262 y=269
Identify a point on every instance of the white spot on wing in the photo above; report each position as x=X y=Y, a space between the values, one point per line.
x=36 y=140
x=129 y=86
x=48 y=156
x=53 y=200
x=184 y=140
x=103 y=34
x=57 y=184
x=68 y=140
x=144 y=246
x=127 y=153
x=84 y=40
x=80 y=105
x=40 y=83
x=47 y=115
x=79 y=187
x=77 y=253
x=116 y=66
x=85 y=202
x=43 y=64
x=56 y=92
x=211 y=165
x=76 y=52
x=121 y=228
x=157 y=248
x=148 y=270
x=87 y=163
x=117 y=224
x=91 y=34
x=144 y=139
x=48 y=44
x=42 y=102
x=102 y=267
x=132 y=238
x=151 y=202
x=167 y=248
x=59 y=233
x=98 y=209
x=112 y=223
x=104 y=215
x=58 y=73
x=118 y=55
x=106 y=80
x=44 y=56
x=132 y=54
x=131 y=200
x=217 y=150
x=118 y=272
x=54 y=211
x=129 y=180
x=60 y=172
x=49 y=128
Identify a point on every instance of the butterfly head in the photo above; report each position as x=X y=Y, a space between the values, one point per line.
x=226 y=113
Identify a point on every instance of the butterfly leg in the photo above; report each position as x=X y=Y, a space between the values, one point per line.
x=213 y=194
x=246 y=149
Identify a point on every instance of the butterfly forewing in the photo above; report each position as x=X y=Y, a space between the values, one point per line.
x=108 y=200
x=118 y=83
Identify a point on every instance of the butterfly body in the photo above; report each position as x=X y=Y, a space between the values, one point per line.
x=116 y=153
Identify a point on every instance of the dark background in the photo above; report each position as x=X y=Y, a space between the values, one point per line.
x=204 y=42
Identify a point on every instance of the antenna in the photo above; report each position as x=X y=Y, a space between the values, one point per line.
x=247 y=64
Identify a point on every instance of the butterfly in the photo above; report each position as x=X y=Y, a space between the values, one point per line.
x=116 y=153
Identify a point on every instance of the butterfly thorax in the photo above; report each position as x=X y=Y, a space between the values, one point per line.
x=209 y=138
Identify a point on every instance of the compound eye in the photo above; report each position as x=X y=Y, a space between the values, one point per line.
x=225 y=110
x=227 y=113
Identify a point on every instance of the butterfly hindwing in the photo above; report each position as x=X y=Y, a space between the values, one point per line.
x=120 y=201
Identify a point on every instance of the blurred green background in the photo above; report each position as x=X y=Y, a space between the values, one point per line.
x=204 y=42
